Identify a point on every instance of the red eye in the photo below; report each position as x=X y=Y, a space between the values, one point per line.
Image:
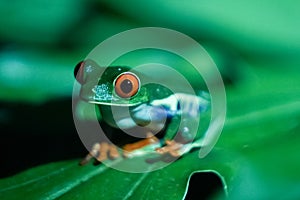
x=127 y=85
x=78 y=72
x=84 y=69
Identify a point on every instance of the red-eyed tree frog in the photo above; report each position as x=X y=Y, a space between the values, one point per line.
x=127 y=105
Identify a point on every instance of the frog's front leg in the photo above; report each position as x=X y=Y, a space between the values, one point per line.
x=105 y=150
x=189 y=108
x=172 y=147
x=175 y=147
x=183 y=141
x=130 y=149
x=101 y=151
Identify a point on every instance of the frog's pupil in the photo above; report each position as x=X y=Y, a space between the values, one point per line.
x=126 y=86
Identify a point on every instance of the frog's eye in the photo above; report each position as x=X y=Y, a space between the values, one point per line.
x=78 y=72
x=127 y=85
x=84 y=69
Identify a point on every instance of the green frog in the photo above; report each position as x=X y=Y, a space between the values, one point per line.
x=136 y=113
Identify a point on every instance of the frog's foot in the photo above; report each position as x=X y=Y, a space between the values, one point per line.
x=101 y=151
x=129 y=149
x=172 y=147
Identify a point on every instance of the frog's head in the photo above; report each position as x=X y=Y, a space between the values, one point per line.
x=114 y=85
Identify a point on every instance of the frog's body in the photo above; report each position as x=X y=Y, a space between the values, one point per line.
x=132 y=112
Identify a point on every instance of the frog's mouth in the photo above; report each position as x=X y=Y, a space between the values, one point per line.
x=103 y=96
x=112 y=103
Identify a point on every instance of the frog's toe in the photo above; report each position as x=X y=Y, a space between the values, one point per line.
x=113 y=152
x=93 y=153
x=85 y=160
x=101 y=151
x=173 y=148
x=140 y=147
x=107 y=151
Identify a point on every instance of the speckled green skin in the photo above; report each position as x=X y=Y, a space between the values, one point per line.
x=98 y=88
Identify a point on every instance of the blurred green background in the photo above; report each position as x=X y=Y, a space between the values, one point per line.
x=255 y=44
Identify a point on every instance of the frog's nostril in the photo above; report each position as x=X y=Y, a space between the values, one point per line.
x=78 y=72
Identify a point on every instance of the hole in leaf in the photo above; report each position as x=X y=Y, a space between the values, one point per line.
x=205 y=185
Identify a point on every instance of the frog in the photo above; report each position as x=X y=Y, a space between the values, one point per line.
x=137 y=115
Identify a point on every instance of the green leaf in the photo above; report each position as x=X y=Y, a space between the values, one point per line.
x=70 y=181
x=256 y=157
